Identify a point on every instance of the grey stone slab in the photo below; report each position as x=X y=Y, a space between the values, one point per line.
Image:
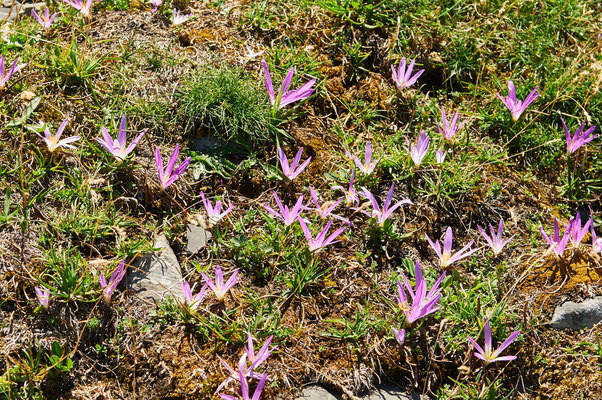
x=196 y=238
x=381 y=392
x=316 y=392
x=575 y=316
x=4 y=12
x=156 y=275
x=392 y=392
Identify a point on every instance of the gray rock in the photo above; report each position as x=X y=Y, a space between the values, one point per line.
x=575 y=316
x=19 y=8
x=316 y=392
x=156 y=275
x=392 y=392
x=196 y=238
x=381 y=392
x=4 y=12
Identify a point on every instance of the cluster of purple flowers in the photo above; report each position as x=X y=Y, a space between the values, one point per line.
x=424 y=303
x=575 y=232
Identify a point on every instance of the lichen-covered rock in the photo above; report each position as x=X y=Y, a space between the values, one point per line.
x=575 y=316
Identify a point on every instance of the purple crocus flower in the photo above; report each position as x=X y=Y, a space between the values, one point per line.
x=192 y=301
x=214 y=213
x=495 y=240
x=219 y=287
x=321 y=240
x=382 y=214
x=369 y=164
x=169 y=175
x=284 y=97
x=558 y=244
x=54 y=141
x=449 y=130
x=579 y=139
x=445 y=256
x=488 y=355
x=43 y=296
x=294 y=169
x=400 y=335
x=118 y=147
x=419 y=150
x=351 y=196
x=256 y=360
x=4 y=75
x=85 y=9
x=578 y=232
x=423 y=303
x=440 y=156
x=403 y=78
x=47 y=20
x=325 y=210
x=244 y=385
x=286 y=215
x=155 y=5
x=116 y=277
x=178 y=18
x=517 y=107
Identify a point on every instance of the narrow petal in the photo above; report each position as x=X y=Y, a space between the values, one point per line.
x=268 y=81
x=122 y=135
x=159 y=164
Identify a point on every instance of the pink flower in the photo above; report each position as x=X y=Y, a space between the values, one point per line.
x=286 y=215
x=423 y=303
x=47 y=21
x=558 y=244
x=495 y=240
x=400 y=335
x=214 y=213
x=382 y=214
x=244 y=385
x=116 y=277
x=403 y=78
x=419 y=150
x=578 y=232
x=517 y=107
x=169 y=175
x=219 y=288
x=256 y=360
x=440 y=156
x=321 y=240
x=118 y=147
x=449 y=130
x=284 y=97
x=488 y=354
x=43 y=296
x=53 y=141
x=4 y=75
x=192 y=301
x=445 y=256
x=579 y=139
x=369 y=164
x=351 y=196
x=294 y=169
x=325 y=210
x=85 y=9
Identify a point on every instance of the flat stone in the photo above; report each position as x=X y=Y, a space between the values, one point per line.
x=316 y=392
x=392 y=392
x=381 y=392
x=4 y=13
x=156 y=275
x=196 y=238
x=576 y=316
